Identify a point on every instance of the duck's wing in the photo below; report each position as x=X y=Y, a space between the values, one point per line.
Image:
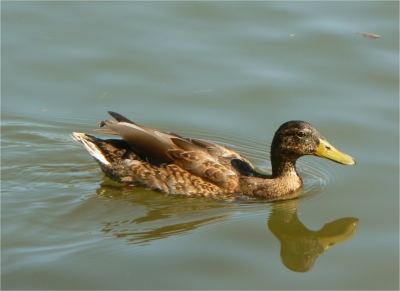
x=229 y=158
x=119 y=117
x=205 y=160
x=209 y=161
x=150 y=144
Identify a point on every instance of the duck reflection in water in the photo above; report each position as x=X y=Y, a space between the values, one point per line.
x=159 y=217
x=300 y=247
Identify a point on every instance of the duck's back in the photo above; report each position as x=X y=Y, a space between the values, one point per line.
x=165 y=161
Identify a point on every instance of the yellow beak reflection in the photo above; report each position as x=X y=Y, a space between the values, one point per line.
x=326 y=150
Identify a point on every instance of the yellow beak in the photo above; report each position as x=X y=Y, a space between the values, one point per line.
x=326 y=150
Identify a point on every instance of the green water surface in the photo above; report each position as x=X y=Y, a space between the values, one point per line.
x=229 y=72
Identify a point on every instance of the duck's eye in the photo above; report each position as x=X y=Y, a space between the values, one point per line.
x=301 y=134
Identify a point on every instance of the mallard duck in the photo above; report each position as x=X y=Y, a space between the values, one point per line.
x=170 y=163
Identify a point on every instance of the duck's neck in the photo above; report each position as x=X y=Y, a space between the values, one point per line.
x=284 y=180
x=283 y=165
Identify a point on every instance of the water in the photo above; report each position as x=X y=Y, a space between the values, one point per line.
x=229 y=72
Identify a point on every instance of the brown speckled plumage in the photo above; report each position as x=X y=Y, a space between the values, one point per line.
x=172 y=164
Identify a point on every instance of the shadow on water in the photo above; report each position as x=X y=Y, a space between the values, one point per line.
x=160 y=216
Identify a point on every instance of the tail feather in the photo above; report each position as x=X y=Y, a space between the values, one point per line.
x=87 y=141
x=110 y=154
x=119 y=117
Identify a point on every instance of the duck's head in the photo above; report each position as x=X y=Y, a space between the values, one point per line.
x=294 y=139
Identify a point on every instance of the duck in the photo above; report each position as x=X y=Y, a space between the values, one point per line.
x=169 y=163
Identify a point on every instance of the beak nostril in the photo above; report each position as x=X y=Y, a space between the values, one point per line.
x=328 y=148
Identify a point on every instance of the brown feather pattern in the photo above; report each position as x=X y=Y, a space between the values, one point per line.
x=169 y=163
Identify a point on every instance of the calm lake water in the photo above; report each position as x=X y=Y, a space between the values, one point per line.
x=228 y=72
